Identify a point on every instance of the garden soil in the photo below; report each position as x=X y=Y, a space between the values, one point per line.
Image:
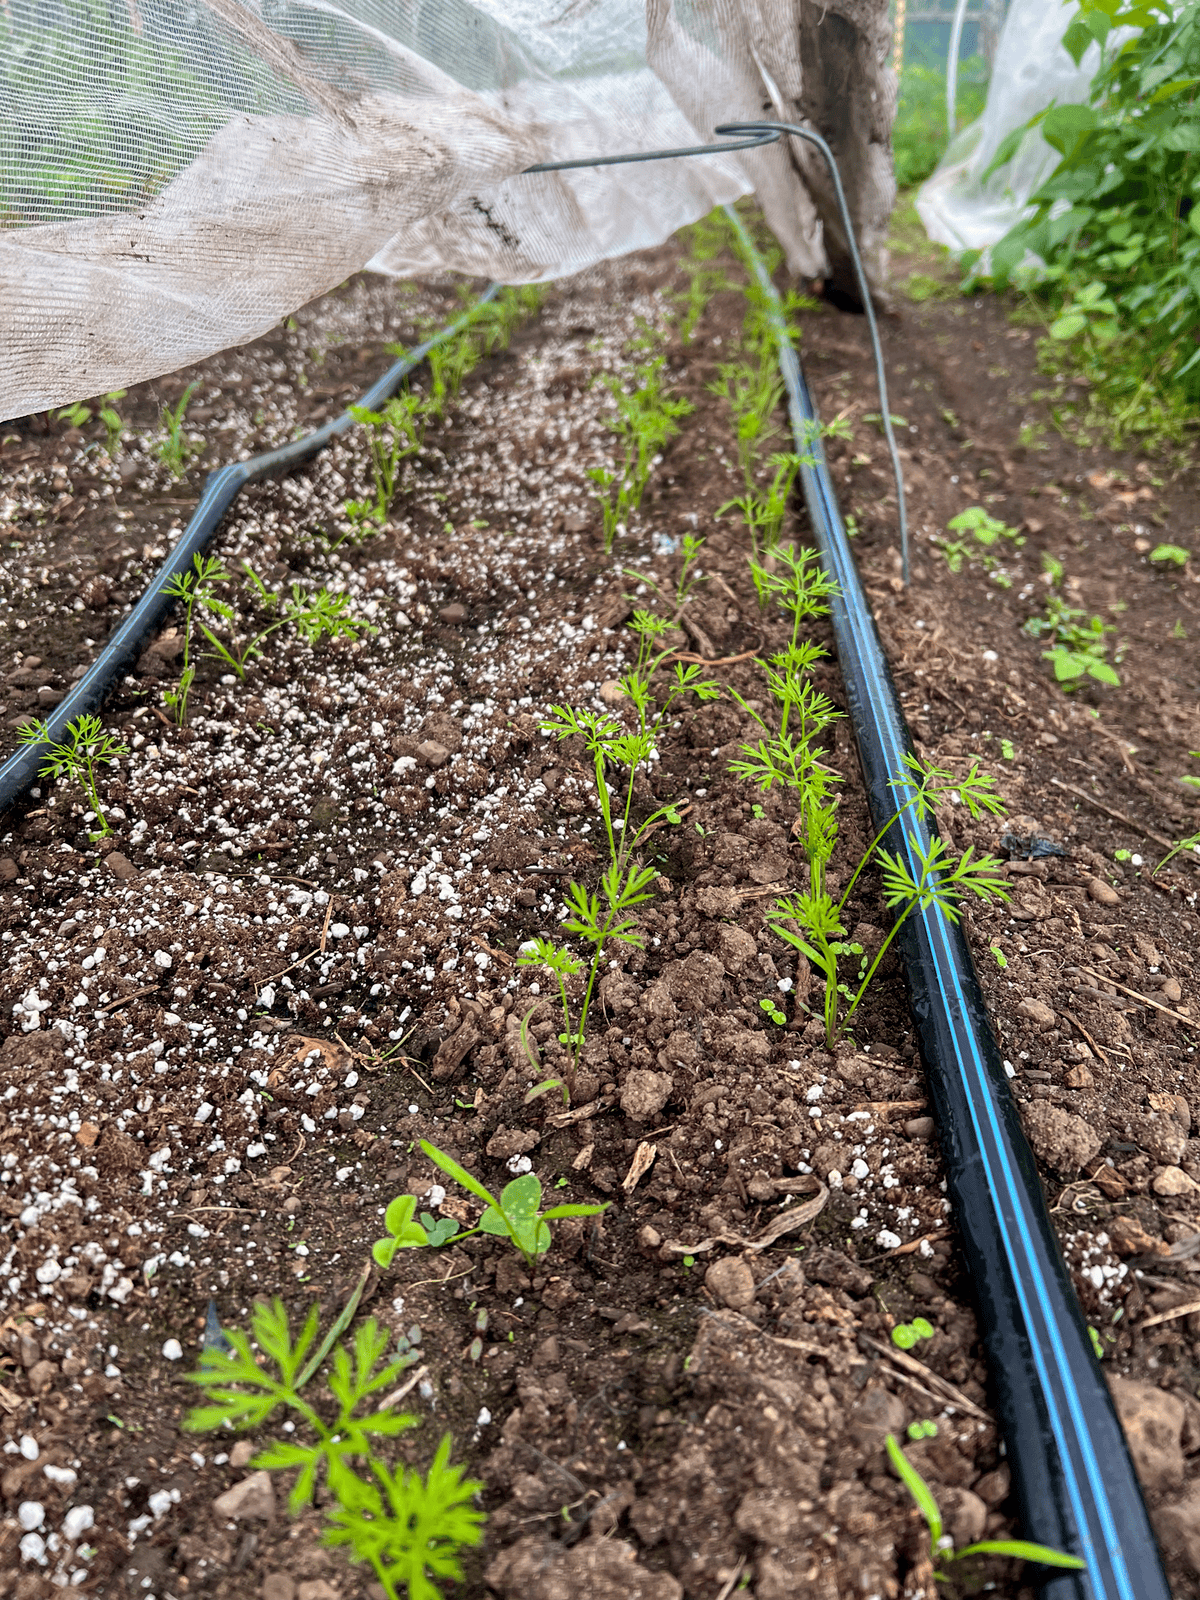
x=230 y=1022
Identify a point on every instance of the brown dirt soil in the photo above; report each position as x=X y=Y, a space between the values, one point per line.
x=295 y=957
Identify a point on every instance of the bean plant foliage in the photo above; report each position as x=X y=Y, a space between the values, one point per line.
x=1117 y=223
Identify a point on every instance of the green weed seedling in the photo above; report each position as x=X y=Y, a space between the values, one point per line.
x=405 y=1234
x=926 y=1428
x=1171 y=555
x=1192 y=842
x=941 y=1547
x=176 y=449
x=647 y=419
x=603 y=919
x=1077 y=648
x=987 y=531
x=517 y=1214
x=907 y=1334
x=85 y=748
x=79 y=414
x=407 y=1527
x=394 y=435
x=770 y=1006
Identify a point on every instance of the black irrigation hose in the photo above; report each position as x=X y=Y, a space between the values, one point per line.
x=221 y=489
x=1074 y=1480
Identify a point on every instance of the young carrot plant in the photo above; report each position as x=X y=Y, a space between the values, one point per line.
x=600 y=920
x=647 y=419
x=175 y=448
x=789 y=755
x=407 y=1527
x=197 y=590
x=394 y=435
x=941 y=1547
x=85 y=748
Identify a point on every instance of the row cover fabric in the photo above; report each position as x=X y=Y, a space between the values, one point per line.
x=177 y=175
x=958 y=206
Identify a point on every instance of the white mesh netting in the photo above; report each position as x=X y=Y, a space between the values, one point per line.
x=176 y=175
x=958 y=205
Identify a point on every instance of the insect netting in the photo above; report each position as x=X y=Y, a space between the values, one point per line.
x=966 y=204
x=176 y=175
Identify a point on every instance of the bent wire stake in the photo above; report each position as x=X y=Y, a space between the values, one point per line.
x=1073 y=1476
x=221 y=489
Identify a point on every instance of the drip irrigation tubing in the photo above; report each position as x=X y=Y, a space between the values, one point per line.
x=1072 y=1473
x=221 y=489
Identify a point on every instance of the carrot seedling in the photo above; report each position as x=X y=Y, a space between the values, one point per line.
x=85 y=748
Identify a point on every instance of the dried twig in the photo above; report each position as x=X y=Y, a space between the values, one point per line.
x=409 y=1384
x=1142 y=998
x=1185 y=1310
x=926 y=1375
x=1109 y=811
x=124 y=1000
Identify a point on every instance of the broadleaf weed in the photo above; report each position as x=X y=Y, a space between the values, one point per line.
x=941 y=1547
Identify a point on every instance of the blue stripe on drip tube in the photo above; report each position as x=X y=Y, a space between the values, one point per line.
x=1022 y=1262
x=1108 y=1576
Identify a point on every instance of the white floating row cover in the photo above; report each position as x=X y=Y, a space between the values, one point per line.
x=958 y=207
x=177 y=175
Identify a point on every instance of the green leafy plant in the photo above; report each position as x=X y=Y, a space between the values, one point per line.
x=941 y=1548
x=1077 y=649
x=926 y=1428
x=1174 y=554
x=175 y=449
x=772 y=1010
x=408 y=1527
x=647 y=419
x=516 y=1215
x=919 y=135
x=1115 y=223
x=907 y=1334
x=986 y=531
x=602 y=919
x=85 y=748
